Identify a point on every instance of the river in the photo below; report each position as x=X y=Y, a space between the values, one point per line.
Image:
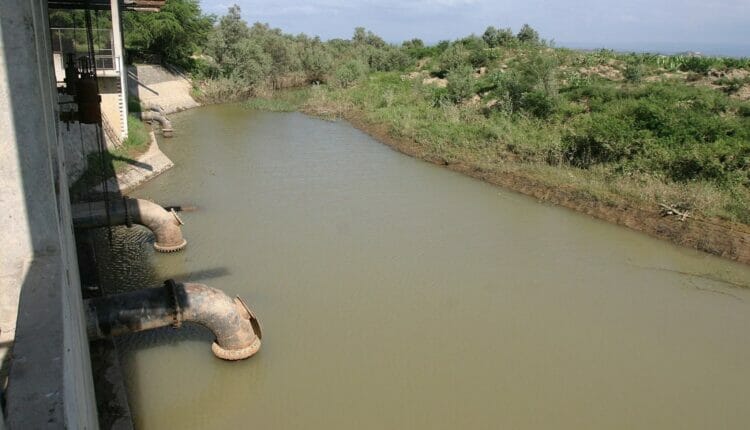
x=398 y=294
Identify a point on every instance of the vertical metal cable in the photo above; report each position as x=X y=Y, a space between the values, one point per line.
x=101 y=145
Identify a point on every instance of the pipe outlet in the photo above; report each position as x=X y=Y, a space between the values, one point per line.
x=166 y=125
x=235 y=328
x=164 y=224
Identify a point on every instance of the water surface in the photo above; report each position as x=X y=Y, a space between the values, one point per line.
x=397 y=294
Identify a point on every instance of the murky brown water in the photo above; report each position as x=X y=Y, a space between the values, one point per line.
x=397 y=294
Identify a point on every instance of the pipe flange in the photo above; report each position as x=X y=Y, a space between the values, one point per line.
x=171 y=248
x=236 y=354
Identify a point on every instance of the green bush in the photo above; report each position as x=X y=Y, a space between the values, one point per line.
x=602 y=138
x=349 y=73
x=686 y=133
x=460 y=84
x=483 y=57
x=700 y=65
x=538 y=103
x=494 y=37
x=454 y=57
x=316 y=63
x=387 y=59
x=634 y=72
x=528 y=35
x=508 y=88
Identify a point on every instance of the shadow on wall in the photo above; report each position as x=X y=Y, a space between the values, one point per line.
x=50 y=351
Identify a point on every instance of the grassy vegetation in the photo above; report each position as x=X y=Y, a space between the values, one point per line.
x=543 y=112
x=114 y=160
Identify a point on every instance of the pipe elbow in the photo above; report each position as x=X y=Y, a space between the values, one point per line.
x=166 y=125
x=164 y=224
x=234 y=326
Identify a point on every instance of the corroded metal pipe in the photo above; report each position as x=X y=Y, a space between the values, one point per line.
x=164 y=224
x=147 y=105
x=235 y=327
x=166 y=125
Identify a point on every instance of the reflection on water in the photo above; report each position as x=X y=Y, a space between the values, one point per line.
x=396 y=294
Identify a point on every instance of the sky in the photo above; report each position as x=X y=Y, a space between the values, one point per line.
x=658 y=25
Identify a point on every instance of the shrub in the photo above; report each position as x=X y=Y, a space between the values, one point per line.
x=223 y=90
x=494 y=37
x=440 y=97
x=601 y=138
x=508 y=89
x=634 y=72
x=700 y=65
x=454 y=57
x=387 y=59
x=316 y=63
x=349 y=73
x=528 y=35
x=460 y=84
x=538 y=103
x=483 y=57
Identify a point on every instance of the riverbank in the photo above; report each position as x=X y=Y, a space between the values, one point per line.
x=622 y=201
x=656 y=209
x=715 y=236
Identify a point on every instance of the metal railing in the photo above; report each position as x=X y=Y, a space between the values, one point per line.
x=74 y=41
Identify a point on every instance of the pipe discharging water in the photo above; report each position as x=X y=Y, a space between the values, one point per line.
x=235 y=327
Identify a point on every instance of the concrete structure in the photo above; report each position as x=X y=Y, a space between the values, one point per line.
x=50 y=384
x=110 y=65
x=44 y=349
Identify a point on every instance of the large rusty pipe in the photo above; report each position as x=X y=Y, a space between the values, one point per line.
x=164 y=224
x=166 y=125
x=236 y=330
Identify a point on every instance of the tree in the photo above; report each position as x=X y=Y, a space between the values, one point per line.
x=494 y=37
x=175 y=33
x=236 y=54
x=413 y=44
x=491 y=37
x=528 y=34
x=316 y=62
x=282 y=49
x=365 y=37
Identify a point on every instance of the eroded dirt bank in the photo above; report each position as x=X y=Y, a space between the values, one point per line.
x=716 y=236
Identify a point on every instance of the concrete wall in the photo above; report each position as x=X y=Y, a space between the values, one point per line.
x=79 y=140
x=50 y=383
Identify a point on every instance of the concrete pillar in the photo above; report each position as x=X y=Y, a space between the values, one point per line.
x=119 y=53
x=50 y=383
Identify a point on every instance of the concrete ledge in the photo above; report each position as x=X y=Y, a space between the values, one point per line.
x=149 y=165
